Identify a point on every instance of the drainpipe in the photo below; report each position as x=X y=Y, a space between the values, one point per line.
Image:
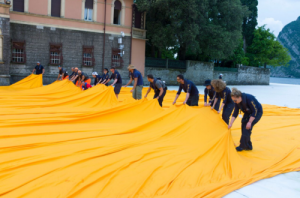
x=131 y=34
x=104 y=37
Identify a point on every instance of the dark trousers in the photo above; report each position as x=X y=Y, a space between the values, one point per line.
x=193 y=100
x=227 y=111
x=161 y=98
x=245 y=141
x=217 y=106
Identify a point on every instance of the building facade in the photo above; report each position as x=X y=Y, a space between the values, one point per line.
x=71 y=33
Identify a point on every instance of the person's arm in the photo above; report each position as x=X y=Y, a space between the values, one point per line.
x=215 y=99
x=43 y=71
x=188 y=91
x=130 y=81
x=33 y=71
x=58 y=76
x=253 y=115
x=148 y=91
x=161 y=92
x=106 y=82
x=115 y=81
x=186 y=98
x=62 y=76
x=231 y=122
x=134 y=85
x=177 y=95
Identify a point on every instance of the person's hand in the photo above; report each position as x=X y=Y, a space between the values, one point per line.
x=184 y=102
x=209 y=104
x=248 y=126
x=131 y=90
x=112 y=85
x=219 y=111
x=174 y=102
x=125 y=86
x=205 y=104
x=145 y=96
x=212 y=108
x=229 y=126
x=157 y=97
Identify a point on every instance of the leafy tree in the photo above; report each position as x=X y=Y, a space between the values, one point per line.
x=249 y=21
x=266 y=50
x=207 y=28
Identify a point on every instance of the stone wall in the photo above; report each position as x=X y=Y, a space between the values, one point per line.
x=38 y=44
x=198 y=72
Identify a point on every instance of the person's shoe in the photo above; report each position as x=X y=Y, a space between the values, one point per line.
x=239 y=149
x=249 y=148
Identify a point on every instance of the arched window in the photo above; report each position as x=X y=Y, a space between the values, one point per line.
x=117 y=12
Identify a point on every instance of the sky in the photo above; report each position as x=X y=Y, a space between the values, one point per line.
x=277 y=13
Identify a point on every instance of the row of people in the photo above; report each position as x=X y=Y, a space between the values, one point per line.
x=215 y=92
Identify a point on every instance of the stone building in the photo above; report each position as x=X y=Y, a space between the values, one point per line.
x=72 y=33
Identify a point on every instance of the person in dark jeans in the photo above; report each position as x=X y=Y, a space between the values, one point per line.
x=253 y=112
x=223 y=92
x=210 y=92
x=192 y=93
x=39 y=69
x=159 y=88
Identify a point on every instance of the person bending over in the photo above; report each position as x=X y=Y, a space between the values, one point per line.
x=192 y=93
x=223 y=92
x=159 y=88
x=253 y=112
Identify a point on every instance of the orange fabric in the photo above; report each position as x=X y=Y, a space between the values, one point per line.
x=66 y=77
x=88 y=81
x=57 y=141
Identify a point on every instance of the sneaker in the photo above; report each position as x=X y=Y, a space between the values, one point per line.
x=239 y=149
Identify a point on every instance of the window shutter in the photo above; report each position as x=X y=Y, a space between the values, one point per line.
x=18 y=5
x=118 y=5
x=55 y=8
x=89 y=4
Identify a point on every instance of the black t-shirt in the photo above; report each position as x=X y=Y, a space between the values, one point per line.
x=39 y=69
x=116 y=75
x=86 y=77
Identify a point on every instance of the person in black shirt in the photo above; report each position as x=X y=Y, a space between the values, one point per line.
x=252 y=110
x=159 y=88
x=97 y=78
x=209 y=91
x=73 y=73
x=192 y=93
x=39 y=69
x=223 y=92
x=75 y=76
x=117 y=80
x=105 y=77
x=221 y=76
x=62 y=73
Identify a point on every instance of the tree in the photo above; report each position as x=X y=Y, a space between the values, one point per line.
x=249 y=22
x=208 y=28
x=266 y=50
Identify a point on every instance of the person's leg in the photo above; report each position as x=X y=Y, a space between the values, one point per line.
x=193 y=100
x=161 y=98
x=227 y=111
x=134 y=93
x=139 y=90
x=245 y=142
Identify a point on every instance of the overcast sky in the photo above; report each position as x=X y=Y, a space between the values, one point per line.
x=277 y=13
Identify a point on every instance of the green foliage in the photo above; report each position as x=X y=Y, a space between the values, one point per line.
x=250 y=21
x=266 y=50
x=206 y=28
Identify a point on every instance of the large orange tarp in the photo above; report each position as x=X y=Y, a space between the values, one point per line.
x=30 y=82
x=58 y=141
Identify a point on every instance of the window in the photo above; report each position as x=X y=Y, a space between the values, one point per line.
x=55 y=8
x=88 y=56
x=116 y=59
x=18 y=52
x=56 y=54
x=88 y=11
x=18 y=5
x=117 y=12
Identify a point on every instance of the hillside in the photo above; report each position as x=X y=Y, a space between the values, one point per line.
x=290 y=38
